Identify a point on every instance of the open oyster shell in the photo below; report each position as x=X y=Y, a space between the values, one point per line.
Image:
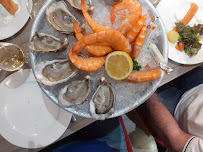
x=60 y=17
x=103 y=100
x=75 y=93
x=76 y=4
x=53 y=72
x=47 y=43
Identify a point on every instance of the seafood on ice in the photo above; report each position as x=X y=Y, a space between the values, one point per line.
x=129 y=37
x=105 y=37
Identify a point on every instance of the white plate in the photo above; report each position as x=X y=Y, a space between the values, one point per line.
x=167 y=10
x=28 y=118
x=17 y=22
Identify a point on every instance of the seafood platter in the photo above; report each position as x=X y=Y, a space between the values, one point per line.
x=73 y=42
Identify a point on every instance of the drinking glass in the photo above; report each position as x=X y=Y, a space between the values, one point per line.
x=12 y=57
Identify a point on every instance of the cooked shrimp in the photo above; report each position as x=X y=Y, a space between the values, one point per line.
x=10 y=6
x=94 y=26
x=94 y=49
x=130 y=6
x=77 y=30
x=129 y=22
x=145 y=76
x=131 y=12
x=87 y=64
x=113 y=38
x=136 y=29
x=98 y=50
x=139 y=42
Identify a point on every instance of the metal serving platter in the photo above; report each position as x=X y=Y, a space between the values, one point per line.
x=125 y=101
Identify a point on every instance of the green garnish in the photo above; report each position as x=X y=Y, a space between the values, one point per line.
x=188 y=35
x=136 y=66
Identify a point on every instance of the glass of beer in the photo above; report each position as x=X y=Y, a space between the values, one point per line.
x=12 y=57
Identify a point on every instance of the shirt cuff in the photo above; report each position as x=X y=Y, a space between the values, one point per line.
x=187 y=143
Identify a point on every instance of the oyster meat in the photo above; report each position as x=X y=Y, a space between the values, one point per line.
x=103 y=100
x=60 y=17
x=53 y=72
x=47 y=43
x=75 y=93
x=76 y=4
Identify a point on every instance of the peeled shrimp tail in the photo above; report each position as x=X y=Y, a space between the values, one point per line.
x=113 y=38
x=77 y=30
x=139 y=77
x=139 y=42
x=136 y=29
x=96 y=50
x=10 y=6
x=94 y=26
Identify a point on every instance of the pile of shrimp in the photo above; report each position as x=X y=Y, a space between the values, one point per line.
x=129 y=38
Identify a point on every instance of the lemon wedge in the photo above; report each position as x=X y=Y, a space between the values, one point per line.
x=118 y=65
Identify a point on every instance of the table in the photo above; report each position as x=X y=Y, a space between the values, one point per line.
x=21 y=39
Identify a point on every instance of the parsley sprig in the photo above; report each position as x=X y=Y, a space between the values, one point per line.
x=136 y=66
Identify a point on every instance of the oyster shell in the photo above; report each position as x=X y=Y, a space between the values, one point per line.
x=53 y=72
x=47 y=43
x=75 y=93
x=103 y=100
x=60 y=17
x=76 y=4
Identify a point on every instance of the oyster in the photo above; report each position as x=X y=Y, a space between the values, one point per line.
x=54 y=72
x=47 y=43
x=103 y=100
x=75 y=93
x=76 y=4
x=60 y=17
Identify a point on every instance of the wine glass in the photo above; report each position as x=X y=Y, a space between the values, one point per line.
x=12 y=57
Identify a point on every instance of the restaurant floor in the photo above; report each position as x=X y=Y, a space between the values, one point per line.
x=139 y=140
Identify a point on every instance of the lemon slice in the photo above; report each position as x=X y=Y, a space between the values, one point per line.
x=118 y=65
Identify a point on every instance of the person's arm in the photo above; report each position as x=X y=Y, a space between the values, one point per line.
x=162 y=125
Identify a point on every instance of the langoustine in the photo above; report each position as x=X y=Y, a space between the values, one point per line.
x=94 y=49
